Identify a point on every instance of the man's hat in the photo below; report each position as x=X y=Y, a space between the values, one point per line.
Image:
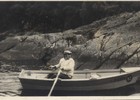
x=67 y=52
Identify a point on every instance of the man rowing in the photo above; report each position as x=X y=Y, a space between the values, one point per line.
x=66 y=65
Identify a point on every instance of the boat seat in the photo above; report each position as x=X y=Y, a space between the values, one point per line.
x=94 y=76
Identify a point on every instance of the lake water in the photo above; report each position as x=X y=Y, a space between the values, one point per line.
x=10 y=86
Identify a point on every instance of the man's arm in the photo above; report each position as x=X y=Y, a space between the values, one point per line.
x=59 y=64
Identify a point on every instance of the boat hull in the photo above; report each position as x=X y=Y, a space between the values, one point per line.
x=84 y=85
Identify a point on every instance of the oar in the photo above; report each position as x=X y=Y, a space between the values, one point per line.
x=54 y=83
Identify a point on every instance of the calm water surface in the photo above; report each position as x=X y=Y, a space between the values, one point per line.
x=10 y=86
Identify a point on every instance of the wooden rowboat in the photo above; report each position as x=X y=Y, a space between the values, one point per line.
x=85 y=80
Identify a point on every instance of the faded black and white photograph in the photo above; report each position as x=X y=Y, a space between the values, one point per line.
x=69 y=48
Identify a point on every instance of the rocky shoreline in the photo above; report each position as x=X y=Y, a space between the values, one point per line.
x=112 y=41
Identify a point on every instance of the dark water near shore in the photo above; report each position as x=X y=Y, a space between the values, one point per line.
x=10 y=86
x=125 y=91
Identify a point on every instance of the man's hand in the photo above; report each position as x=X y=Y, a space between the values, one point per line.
x=62 y=69
x=52 y=67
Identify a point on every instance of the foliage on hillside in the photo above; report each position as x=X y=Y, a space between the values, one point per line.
x=46 y=17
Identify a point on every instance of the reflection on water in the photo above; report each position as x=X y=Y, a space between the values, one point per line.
x=124 y=91
x=137 y=88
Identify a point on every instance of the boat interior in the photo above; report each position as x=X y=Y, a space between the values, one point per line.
x=78 y=74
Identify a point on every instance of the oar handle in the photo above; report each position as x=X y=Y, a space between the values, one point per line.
x=54 y=82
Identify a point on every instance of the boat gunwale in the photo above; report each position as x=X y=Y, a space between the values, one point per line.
x=88 y=79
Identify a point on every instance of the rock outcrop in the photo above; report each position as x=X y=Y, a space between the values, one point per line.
x=111 y=42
